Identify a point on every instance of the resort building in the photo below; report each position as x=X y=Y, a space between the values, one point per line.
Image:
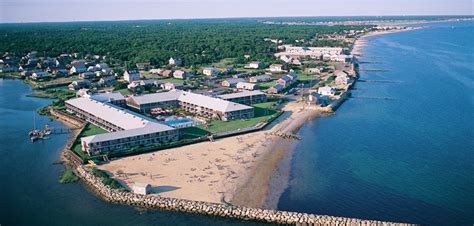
x=213 y=107
x=126 y=128
x=319 y=53
x=246 y=97
x=206 y=106
x=113 y=98
x=144 y=103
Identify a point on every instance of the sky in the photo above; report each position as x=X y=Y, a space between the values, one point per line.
x=99 y=10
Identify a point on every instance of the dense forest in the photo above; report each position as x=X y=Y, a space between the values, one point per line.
x=197 y=42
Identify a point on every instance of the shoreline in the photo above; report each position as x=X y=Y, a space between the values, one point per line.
x=233 y=170
x=255 y=173
x=361 y=41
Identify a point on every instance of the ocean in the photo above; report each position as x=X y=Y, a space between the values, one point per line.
x=402 y=149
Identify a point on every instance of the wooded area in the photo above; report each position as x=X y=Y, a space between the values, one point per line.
x=197 y=42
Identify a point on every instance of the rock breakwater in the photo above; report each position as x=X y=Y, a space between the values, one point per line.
x=213 y=209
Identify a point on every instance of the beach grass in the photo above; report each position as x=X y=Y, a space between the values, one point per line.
x=107 y=180
x=67 y=177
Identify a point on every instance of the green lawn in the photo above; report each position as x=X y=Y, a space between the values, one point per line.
x=263 y=113
x=64 y=94
x=64 y=81
x=266 y=85
x=91 y=130
x=124 y=91
x=306 y=77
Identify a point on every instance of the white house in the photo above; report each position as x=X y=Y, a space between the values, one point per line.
x=327 y=91
x=156 y=71
x=286 y=59
x=180 y=74
x=210 y=71
x=313 y=70
x=141 y=188
x=131 y=75
x=40 y=75
x=231 y=82
x=172 y=86
x=246 y=86
x=276 y=68
x=175 y=61
x=255 y=65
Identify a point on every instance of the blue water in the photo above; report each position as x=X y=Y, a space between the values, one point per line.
x=175 y=122
x=410 y=159
x=30 y=193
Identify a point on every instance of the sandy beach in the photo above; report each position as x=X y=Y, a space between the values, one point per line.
x=235 y=169
x=361 y=42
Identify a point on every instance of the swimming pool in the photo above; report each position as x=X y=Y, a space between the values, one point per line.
x=180 y=122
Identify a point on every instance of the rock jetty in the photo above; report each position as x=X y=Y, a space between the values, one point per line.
x=213 y=209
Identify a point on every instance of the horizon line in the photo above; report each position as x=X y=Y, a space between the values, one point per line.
x=236 y=17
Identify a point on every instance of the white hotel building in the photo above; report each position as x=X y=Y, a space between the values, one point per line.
x=191 y=102
x=126 y=128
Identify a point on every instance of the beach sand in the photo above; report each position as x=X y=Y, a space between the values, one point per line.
x=235 y=169
x=361 y=42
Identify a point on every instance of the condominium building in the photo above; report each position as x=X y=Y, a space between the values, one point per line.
x=191 y=102
x=126 y=128
x=247 y=97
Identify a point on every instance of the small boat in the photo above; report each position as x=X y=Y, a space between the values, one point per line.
x=37 y=134
x=47 y=130
x=36 y=138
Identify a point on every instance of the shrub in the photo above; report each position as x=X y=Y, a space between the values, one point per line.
x=67 y=177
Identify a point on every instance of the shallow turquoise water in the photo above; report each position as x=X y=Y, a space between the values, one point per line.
x=408 y=159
